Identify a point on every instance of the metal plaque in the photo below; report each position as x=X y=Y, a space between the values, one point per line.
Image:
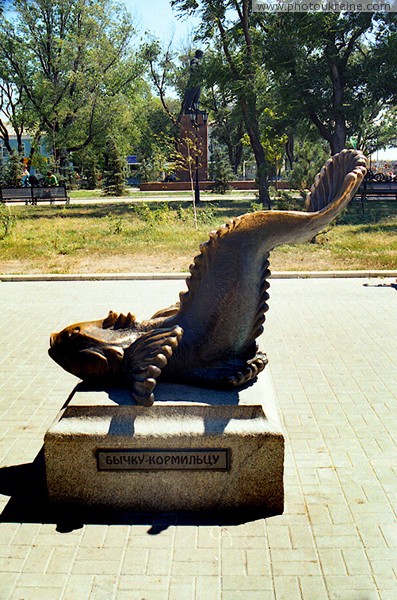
x=217 y=459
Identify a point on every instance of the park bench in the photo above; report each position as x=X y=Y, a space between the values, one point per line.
x=377 y=185
x=34 y=194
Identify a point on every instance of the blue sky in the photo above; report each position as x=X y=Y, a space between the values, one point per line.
x=157 y=17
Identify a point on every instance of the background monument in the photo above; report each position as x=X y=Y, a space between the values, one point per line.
x=194 y=126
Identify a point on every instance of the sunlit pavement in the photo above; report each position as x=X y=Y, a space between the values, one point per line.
x=332 y=348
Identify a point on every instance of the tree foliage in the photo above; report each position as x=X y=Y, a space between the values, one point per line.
x=10 y=173
x=221 y=171
x=67 y=62
x=336 y=70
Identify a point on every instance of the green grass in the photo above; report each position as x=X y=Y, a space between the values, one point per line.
x=120 y=237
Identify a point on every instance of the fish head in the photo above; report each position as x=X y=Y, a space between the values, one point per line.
x=94 y=350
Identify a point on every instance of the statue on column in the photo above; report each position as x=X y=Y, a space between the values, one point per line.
x=193 y=88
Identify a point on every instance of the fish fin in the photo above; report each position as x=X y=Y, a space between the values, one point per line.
x=118 y=321
x=145 y=359
x=234 y=373
x=250 y=370
x=337 y=181
x=167 y=312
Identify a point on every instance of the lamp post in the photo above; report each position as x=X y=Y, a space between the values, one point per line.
x=194 y=118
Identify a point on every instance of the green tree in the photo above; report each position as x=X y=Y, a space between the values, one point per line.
x=114 y=170
x=308 y=158
x=11 y=170
x=70 y=59
x=162 y=64
x=220 y=170
x=337 y=71
x=92 y=175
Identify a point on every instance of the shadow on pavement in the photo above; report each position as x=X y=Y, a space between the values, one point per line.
x=382 y=285
x=26 y=486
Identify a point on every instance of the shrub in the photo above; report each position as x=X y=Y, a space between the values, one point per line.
x=7 y=221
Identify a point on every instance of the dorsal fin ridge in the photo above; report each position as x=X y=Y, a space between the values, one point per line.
x=263 y=307
x=201 y=263
x=118 y=321
x=202 y=260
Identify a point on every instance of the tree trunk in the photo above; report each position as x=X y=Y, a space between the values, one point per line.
x=4 y=135
x=251 y=125
x=338 y=138
x=261 y=179
x=238 y=151
x=238 y=155
x=289 y=150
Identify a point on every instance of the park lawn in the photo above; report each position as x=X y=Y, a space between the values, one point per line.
x=160 y=237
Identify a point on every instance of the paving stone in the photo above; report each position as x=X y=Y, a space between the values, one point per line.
x=135 y=561
x=195 y=568
x=237 y=583
x=332 y=562
x=258 y=562
x=287 y=588
x=61 y=560
x=313 y=588
x=248 y=595
x=141 y=595
x=104 y=587
x=234 y=562
x=332 y=347
x=116 y=536
x=182 y=588
x=38 y=559
x=159 y=562
x=8 y=583
x=142 y=583
x=279 y=536
x=209 y=537
x=41 y=580
x=208 y=588
x=37 y=593
x=78 y=586
x=96 y=567
x=356 y=561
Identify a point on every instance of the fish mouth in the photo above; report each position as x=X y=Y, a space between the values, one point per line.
x=52 y=349
x=59 y=358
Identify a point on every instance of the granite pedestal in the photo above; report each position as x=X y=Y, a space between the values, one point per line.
x=194 y=449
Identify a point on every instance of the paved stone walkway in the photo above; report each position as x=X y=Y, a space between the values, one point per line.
x=332 y=346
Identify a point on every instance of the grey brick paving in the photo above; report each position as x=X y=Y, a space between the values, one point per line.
x=332 y=347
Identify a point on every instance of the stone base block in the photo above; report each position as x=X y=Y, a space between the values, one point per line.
x=195 y=449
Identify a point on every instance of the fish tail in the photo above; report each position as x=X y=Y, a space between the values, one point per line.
x=336 y=185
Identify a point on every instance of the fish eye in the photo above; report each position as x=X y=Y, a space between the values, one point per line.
x=71 y=333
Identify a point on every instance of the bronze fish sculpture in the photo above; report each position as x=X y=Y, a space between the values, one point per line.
x=209 y=337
